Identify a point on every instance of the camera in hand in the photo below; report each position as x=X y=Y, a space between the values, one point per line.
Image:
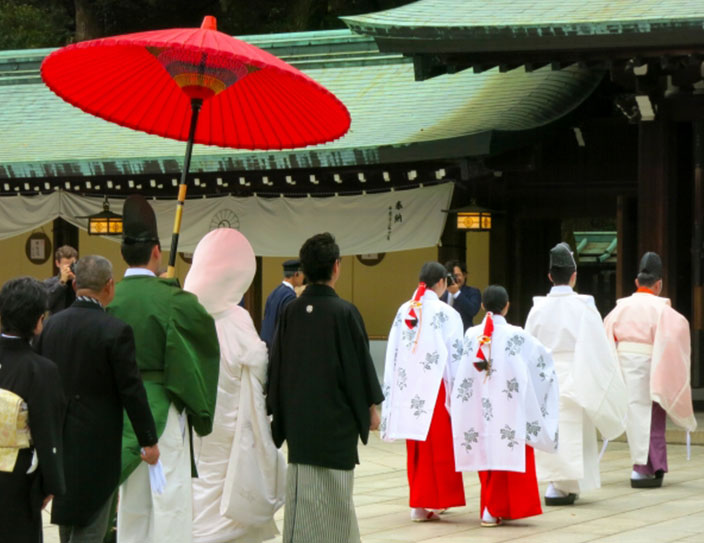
x=450 y=279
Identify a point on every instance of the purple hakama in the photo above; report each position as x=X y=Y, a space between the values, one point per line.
x=657 y=453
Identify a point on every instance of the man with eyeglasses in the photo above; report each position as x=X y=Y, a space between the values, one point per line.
x=464 y=299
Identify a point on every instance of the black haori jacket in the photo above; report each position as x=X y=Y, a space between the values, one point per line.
x=321 y=380
x=36 y=380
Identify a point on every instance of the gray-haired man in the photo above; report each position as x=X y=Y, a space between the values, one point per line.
x=95 y=354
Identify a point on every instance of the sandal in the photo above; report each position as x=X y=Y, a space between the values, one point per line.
x=419 y=514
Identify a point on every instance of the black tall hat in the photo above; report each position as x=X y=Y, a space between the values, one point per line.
x=561 y=256
x=139 y=221
x=651 y=264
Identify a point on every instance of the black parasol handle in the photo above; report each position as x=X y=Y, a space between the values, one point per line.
x=182 y=188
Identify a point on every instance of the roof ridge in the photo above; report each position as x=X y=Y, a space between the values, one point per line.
x=320 y=48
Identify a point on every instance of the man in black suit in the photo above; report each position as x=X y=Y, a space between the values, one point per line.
x=95 y=354
x=465 y=299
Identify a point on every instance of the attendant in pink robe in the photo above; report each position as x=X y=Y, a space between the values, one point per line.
x=653 y=345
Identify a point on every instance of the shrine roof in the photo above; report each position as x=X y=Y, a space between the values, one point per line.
x=395 y=118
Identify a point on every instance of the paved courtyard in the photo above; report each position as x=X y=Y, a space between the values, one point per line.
x=615 y=513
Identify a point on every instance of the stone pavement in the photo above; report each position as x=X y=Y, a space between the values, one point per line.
x=615 y=513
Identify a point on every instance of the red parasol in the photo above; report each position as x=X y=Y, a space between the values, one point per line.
x=196 y=85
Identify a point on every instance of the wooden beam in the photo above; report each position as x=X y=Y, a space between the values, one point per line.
x=479 y=68
x=684 y=107
x=533 y=66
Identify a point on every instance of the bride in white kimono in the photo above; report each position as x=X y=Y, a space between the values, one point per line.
x=241 y=474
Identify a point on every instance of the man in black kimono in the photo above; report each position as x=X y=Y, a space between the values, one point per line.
x=322 y=393
x=31 y=414
x=95 y=354
x=279 y=298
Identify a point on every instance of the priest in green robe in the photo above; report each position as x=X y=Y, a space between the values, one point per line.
x=178 y=357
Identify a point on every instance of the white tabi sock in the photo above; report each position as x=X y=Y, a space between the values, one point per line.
x=487 y=517
x=553 y=492
x=640 y=476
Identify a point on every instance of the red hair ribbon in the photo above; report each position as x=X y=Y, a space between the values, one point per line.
x=412 y=319
x=485 y=340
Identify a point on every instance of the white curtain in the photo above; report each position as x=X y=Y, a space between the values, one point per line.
x=369 y=223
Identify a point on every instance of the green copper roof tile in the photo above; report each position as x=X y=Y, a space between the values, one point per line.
x=478 y=18
x=591 y=16
x=394 y=118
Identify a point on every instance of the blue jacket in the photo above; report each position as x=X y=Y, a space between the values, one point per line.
x=275 y=303
x=467 y=304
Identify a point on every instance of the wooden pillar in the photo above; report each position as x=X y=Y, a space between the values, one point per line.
x=499 y=256
x=698 y=257
x=627 y=233
x=657 y=141
x=534 y=239
x=253 y=296
x=453 y=242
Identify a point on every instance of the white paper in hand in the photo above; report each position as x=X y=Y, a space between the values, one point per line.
x=157 y=479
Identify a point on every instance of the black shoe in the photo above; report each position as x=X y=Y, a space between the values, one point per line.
x=562 y=500
x=651 y=482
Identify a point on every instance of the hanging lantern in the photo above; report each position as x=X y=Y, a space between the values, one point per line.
x=105 y=223
x=474 y=218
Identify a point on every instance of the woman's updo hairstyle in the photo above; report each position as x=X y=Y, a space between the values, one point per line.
x=431 y=273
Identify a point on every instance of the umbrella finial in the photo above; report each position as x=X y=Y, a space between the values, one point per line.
x=209 y=23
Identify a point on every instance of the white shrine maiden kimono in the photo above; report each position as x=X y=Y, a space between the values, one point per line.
x=592 y=392
x=653 y=345
x=496 y=413
x=241 y=474
x=416 y=361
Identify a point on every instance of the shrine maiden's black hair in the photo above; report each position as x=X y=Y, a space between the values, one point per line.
x=495 y=298
x=431 y=273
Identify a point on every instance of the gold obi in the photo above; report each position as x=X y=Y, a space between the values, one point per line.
x=14 y=431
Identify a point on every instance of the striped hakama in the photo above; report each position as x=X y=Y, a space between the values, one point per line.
x=319 y=507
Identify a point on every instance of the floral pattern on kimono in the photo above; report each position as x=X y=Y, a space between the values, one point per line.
x=416 y=360
x=506 y=408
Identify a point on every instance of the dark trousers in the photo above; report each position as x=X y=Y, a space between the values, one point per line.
x=93 y=532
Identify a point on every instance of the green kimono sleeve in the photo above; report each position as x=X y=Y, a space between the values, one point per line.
x=192 y=359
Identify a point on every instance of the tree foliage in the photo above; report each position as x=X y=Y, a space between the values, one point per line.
x=46 y=23
x=29 y=24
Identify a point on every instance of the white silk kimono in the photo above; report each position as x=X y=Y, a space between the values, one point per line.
x=496 y=413
x=592 y=392
x=416 y=360
x=241 y=474
x=653 y=345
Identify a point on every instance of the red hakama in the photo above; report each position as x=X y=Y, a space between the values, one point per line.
x=511 y=494
x=432 y=478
